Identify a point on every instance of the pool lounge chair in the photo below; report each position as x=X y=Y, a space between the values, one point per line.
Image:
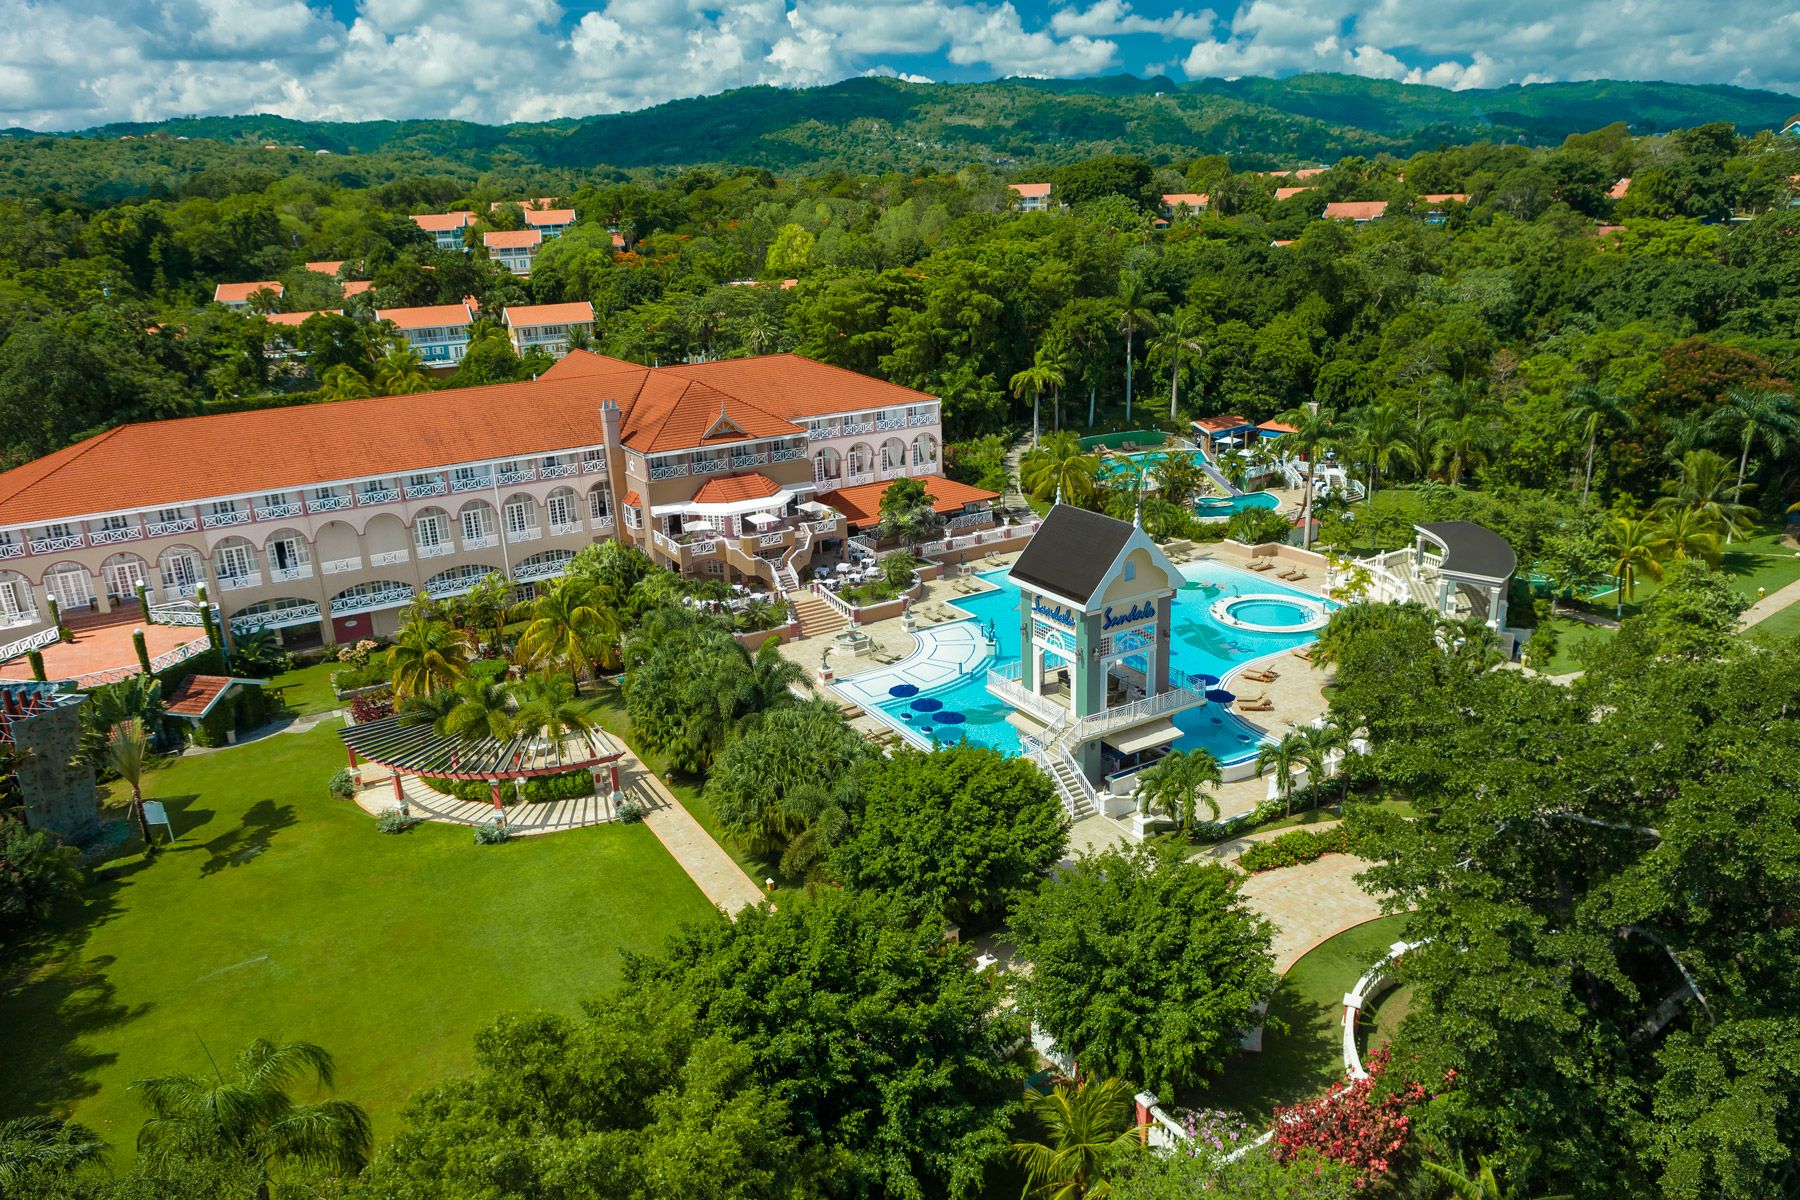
x=1254 y=704
x=1303 y=653
x=1262 y=675
x=1291 y=573
x=1261 y=564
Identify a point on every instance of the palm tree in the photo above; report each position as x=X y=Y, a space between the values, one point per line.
x=1283 y=757
x=1589 y=408
x=571 y=625
x=1178 y=479
x=1088 y=1134
x=1379 y=439
x=1758 y=413
x=1178 y=340
x=1471 y=643
x=1058 y=467
x=401 y=372
x=1464 y=442
x=1315 y=429
x=1482 y=1185
x=128 y=752
x=249 y=1119
x=1041 y=376
x=1687 y=533
x=1704 y=486
x=1179 y=784
x=41 y=1149
x=1136 y=312
x=483 y=708
x=770 y=679
x=343 y=382
x=547 y=710
x=1631 y=547
x=427 y=655
x=1322 y=741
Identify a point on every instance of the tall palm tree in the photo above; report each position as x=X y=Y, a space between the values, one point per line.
x=1058 y=467
x=769 y=680
x=547 y=709
x=37 y=1150
x=1687 y=533
x=1378 y=441
x=1041 y=376
x=1322 y=741
x=1137 y=313
x=1284 y=757
x=1178 y=479
x=427 y=655
x=343 y=382
x=1315 y=430
x=248 y=1118
x=128 y=752
x=1179 y=339
x=401 y=372
x=1088 y=1135
x=1179 y=784
x=1758 y=414
x=484 y=708
x=570 y=625
x=1631 y=550
x=1464 y=443
x=1471 y=643
x=1590 y=409
x=1705 y=486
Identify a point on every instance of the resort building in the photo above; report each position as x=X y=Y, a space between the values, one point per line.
x=513 y=249
x=1458 y=569
x=1618 y=190
x=1359 y=211
x=1183 y=204
x=550 y=222
x=439 y=332
x=1031 y=197
x=324 y=520
x=445 y=228
x=1433 y=205
x=237 y=296
x=329 y=267
x=1288 y=193
x=546 y=326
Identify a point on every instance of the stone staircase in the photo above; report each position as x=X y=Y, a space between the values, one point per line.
x=816 y=617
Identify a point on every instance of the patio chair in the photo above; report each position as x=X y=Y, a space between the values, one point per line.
x=1304 y=654
x=1261 y=675
x=1261 y=564
x=1258 y=704
x=1296 y=573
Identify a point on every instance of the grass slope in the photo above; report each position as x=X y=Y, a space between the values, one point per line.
x=282 y=913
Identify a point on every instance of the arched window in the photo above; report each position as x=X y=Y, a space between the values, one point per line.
x=181 y=572
x=70 y=586
x=563 y=509
x=123 y=573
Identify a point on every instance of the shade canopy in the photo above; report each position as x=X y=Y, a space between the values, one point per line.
x=1220 y=696
x=421 y=750
x=904 y=690
x=928 y=704
x=1144 y=737
x=760 y=519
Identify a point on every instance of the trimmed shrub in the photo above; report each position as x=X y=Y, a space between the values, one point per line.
x=475 y=791
x=489 y=668
x=571 y=785
x=631 y=812
x=392 y=820
x=1300 y=846
x=343 y=784
x=371 y=707
x=492 y=833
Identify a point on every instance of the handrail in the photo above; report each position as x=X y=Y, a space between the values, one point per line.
x=1144 y=708
x=30 y=642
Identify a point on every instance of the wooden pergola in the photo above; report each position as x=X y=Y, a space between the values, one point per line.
x=422 y=751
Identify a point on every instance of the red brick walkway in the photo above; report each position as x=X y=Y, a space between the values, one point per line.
x=101 y=647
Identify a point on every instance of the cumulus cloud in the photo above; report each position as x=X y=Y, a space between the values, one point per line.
x=1115 y=18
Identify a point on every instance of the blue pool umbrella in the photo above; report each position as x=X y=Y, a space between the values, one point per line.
x=928 y=704
x=1207 y=680
x=1220 y=696
x=908 y=689
x=949 y=718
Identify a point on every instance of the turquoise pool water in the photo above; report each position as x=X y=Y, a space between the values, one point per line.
x=1270 y=612
x=1202 y=646
x=1224 y=506
x=1221 y=507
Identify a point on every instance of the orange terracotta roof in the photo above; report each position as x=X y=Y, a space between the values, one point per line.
x=1221 y=422
x=195 y=696
x=230 y=293
x=618 y=241
x=1282 y=242
x=442 y=222
x=297 y=318
x=1276 y=427
x=632 y=499
x=1194 y=200
x=429 y=317
x=1445 y=197
x=789 y=386
x=501 y=239
x=862 y=503
x=1296 y=173
x=326 y=268
x=1355 y=210
x=747 y=485
x=1617 y=191
x=549 y=216
x=1283 y=193
x=525 y=315
x=356 y=287
x=1031 y=191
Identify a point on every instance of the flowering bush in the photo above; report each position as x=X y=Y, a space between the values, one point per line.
x=1290 y=849
x=1348 y=1125
x=371 y=706
x=1215 y=1131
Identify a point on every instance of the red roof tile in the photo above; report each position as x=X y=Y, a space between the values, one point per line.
x=549 y=216
x=1193 y=200
x=1355 y=210
x=748 y=485
x=1283 y=193
x=356 y=287
x=1276 y=427
x=1221 y=422
x=442 y=222
x=1445 y=197
x=429 y=317
x=497 y=239
x=228 y=293
x=195 y=695
x=326 y=268
x=862 y=503
x=632 y=499
x=1617 y=191
x=525 y=315
x=1031 y=191
x=297 y=318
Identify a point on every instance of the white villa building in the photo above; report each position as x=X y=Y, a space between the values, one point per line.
x=445 y=228
x=513 y=249
x=439 y=332
x=546 y=326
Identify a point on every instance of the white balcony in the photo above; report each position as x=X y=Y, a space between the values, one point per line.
x=220 y=520
x=480 y=541
x=368 y=601
x=605 y=522
x=171 y=528
x=668 y=471
x=327 y=503
x=293 y=614
x=557 y=471
x=420 y=491
x=435 y=550
x=238 y=583
x=12 y=550
x=378 y=496
x=529 y=534
x=112 y=537
x=388 y=558
x=340 y=566
x=289 y=574
x=57 y=545
x=510 y=477
x=593 y=464
x=711 y=466
x=471 y=483
x=279 y=512
x=526 y=573
x=754 y=459
x=887 y=424
x=922 y=419
x=560 y=528
x=787 y=454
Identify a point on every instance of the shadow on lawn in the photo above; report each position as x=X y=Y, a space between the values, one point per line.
x=235 y=847
x=53 y=1001
x=1300 y=1057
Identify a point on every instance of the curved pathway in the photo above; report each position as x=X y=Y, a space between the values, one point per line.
x=1309 y=903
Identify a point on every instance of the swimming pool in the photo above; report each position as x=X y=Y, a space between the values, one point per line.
x=1206 y=507
x=1225 y=506
x=1202 y=645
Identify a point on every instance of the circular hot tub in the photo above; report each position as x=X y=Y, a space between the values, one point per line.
x=1271 y=613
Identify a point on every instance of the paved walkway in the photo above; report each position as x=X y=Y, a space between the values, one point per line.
x=1772 y=603
x=1310 y=903
x=522 y=820
x=713 y=871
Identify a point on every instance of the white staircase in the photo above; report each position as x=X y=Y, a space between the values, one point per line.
x=1071 y=788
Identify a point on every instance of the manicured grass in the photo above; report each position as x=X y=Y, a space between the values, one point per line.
x=282 y=913
x=1572 y=637
x=1783 y=622
x=308 y=689
x=1302 y=1041
x=1383 y=1021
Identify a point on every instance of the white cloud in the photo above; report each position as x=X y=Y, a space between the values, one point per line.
x=1114 y=18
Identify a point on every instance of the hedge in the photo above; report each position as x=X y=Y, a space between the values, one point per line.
x=570 y=785
x=247 y=709
x=1299 y=846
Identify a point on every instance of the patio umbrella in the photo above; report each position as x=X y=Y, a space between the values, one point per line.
x=844 y=568
x=1207 y=680
x=928 y=704
x=1221 y=696
x=759 y=519
x=949 y=718
x=904 y=690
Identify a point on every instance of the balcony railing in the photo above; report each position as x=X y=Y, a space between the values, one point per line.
x=435 y=550
x=388 y=558
x=529 y=534
x=57 y=545
x=754 y=459
x=471 y=483
x=1004 y=683
x=237 y=583
x=385 y=598
x=30 y=642
x=559 y=528
x=557 y=471
x=1174 y=700
x=327 y=503
x=112 y=537
x=439 y=589
x=420 y=491
x=12 y=549
x=339 y=566
x=605 y=522
x=921 y=419
x=173 y=592
x=852 y=428
x=887 y=424
x=289 y=574
x=711 y=466
x=527 y=572
x=220 y=520
x=378 y=496
x=525 y=475
x=855 y=477
x=292 y=614
x=170 y=528
x=593 y=464
x=480 y=541
x=787 y=454
x=668 y=471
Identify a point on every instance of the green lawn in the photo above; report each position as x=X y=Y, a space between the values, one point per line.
x=1303 y=1040
x=281 y=912
x=308 y=689
x=1782 y=623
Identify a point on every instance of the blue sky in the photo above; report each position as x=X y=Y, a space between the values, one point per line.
x=74 y=63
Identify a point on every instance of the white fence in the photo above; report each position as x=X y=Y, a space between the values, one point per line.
x=28 y=643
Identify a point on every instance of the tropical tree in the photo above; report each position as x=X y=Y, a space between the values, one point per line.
x=1758 y=414
x=248 y=1118
x=1631 y=544
x=401 y=372
x=1044 y=374
x=570 y=625
x=38 y=1150
x=908 y=513
x=1321 y=742
x=1483 y=1184
x=1591 y=409
x=1179 y=340
x=481 y=708
x=1687 y=533
x=546 y=709
x=1178 y=784
x=343 y=382
x=1705 y=487
x=1059 y=468
x=427 y=655
x=1087 y=1135
x=128 y=752
x=1178 y=479
x=1284 y=756
x=1137 y=313
x=1378 y=440
x=769 y=679
x=1315 y=429
x=135 y=698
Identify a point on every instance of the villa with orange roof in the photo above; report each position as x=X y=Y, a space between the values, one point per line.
x=550 y=222
x=1179 y=203
x=546 y=326
x=513 y=249
x=323 y=521
x=439 y=332
x=1030 y=197
x=1433 y=203
x=445 y=228
x=281 y=345
x=236 y=296
x=1288 y=193
x=1359 y=211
